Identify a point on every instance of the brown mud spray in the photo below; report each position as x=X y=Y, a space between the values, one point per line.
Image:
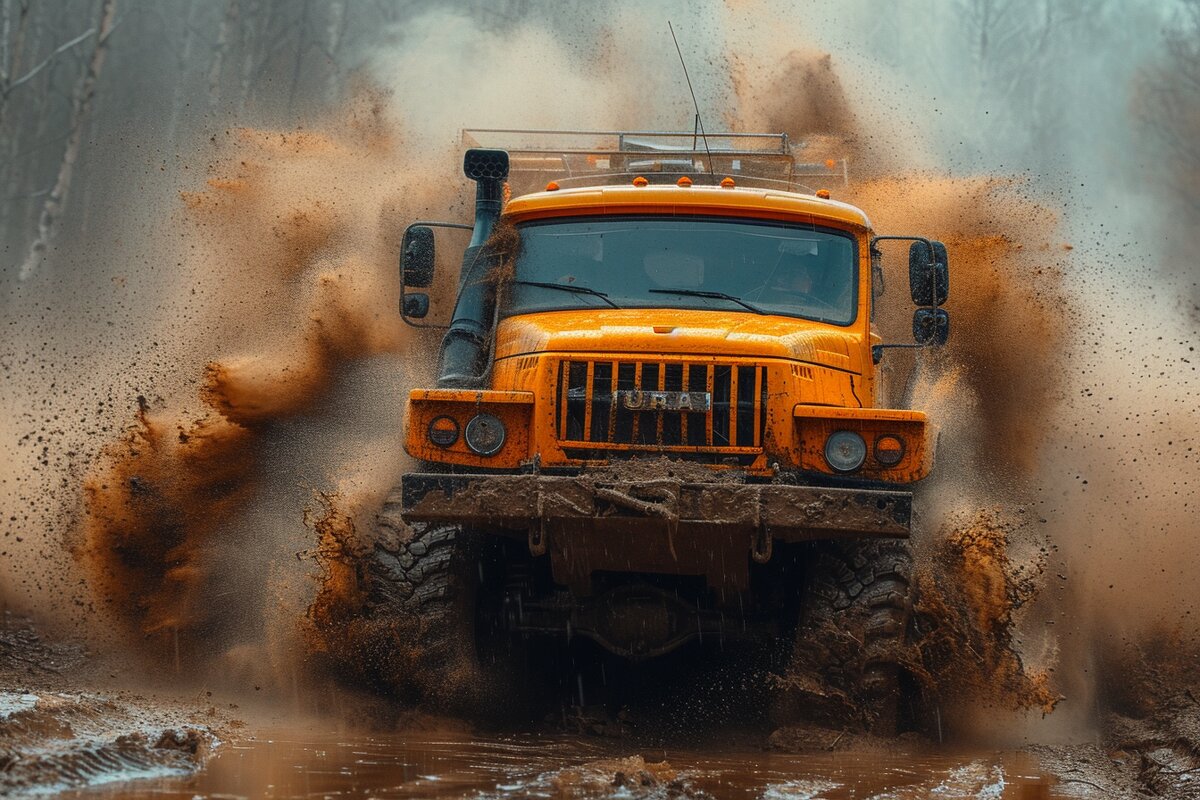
x=192 y=511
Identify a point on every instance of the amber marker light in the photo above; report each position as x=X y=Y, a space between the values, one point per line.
x=443 y=431
x=640 y=181
x=830 y=163
x=727 y=183
x=551 y=187
x=889 y=450
x=685 y=181
x=823 y=194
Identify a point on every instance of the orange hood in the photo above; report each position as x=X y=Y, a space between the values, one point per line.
x=698 y=332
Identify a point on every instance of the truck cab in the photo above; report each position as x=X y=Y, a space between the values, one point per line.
x=661 y=372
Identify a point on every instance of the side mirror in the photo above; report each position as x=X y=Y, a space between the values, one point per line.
x=416 y=305
x=931 y=326
x=417 y=257
x=928 y=273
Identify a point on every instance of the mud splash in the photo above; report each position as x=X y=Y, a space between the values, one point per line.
x=970 y=595
x=342 y=643
x=296 y=265
x=155 y=505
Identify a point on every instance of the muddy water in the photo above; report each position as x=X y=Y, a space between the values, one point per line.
x=294 y=764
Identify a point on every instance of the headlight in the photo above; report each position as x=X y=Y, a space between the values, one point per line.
x=844 y=450
x=889 y=450
x=485 y=434
x=443 y=431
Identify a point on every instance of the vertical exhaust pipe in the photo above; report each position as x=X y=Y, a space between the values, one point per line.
x=465 y=346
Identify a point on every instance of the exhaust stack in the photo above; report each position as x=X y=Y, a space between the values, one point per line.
x=464 y=347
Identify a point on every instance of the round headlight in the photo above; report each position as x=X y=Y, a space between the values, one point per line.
x=889 y=450
x=845 y=451
x=443 y=431
x=485 y=434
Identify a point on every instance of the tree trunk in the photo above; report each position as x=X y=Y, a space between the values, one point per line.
x=80 y=105
x=219 y=50
x=333 y=46
x=183 y=61
x=11 y=62
x=251 y=34
x=14 y=49
x=301 y=49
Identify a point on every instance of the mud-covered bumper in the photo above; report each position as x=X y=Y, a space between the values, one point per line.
x=784 y=511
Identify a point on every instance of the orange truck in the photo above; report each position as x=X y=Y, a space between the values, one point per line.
x=655 y=419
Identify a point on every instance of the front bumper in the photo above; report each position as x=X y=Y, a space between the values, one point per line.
x=784 y=512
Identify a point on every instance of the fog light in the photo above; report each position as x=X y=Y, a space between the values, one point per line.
x=443 y=431
x=844 y=450
x=485 y=434
x=889 y=450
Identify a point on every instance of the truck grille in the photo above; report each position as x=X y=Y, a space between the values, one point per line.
x=590 y=409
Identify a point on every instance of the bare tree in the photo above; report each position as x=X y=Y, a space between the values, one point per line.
x=1171 y=106
x=81 y=104
x=183 y=62
x=12 y=40
x=335 y=30
x=302 y=46
x=220 y=48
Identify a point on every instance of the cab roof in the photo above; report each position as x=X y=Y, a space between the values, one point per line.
x=678 y=200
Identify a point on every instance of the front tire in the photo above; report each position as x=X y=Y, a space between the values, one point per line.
x=852 y=640
x=432 y=590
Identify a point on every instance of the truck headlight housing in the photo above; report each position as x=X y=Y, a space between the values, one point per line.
x=889 y=450
x=443 y=431
x=485 y=434
x=844 y=450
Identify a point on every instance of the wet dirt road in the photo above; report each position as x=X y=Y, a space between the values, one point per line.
x=311 y=764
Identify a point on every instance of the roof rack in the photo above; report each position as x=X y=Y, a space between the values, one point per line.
x=586 y=157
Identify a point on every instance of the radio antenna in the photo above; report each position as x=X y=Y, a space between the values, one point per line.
x=699 y=122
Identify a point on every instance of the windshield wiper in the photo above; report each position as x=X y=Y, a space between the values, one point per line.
x=566 y=287
x=716 y=295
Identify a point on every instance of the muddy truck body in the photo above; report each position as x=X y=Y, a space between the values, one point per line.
x=655 y=419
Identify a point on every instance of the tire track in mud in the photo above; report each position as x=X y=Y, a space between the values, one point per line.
x=52 y=741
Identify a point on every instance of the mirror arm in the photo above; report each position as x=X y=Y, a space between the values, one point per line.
x=928 y=243
x=427 y=224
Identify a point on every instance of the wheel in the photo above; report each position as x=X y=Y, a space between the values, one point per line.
x=432 y=587
x=851 y=646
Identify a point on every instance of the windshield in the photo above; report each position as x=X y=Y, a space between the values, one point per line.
x=701 y=263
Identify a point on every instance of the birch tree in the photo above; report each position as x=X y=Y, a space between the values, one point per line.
x=335 y=30
x=80 y=106
x=220 y=49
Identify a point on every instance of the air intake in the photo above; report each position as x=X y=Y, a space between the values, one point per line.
x=482 y=165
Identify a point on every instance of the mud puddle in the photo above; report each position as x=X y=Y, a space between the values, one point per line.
x=293 y=763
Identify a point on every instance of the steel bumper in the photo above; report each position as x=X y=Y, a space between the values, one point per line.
x=784 y=511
